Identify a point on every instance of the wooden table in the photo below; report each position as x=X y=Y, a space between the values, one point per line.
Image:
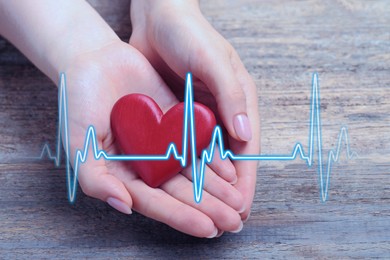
x=281 y=43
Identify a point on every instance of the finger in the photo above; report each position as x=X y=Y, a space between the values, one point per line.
x=246 y=183
x=219 y=188
x=220 y=233
x=92 y=174
x=157 y=204
x=223 y=167
x=223 y=216
x=95 y=181
x=247 y=170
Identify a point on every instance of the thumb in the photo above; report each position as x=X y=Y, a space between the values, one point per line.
x=217 y=72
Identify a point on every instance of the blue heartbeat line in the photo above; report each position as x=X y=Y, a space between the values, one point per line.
x=206 y=155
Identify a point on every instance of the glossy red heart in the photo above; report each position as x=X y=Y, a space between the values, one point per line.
x=141 y=128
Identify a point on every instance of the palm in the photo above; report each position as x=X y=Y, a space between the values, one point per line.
x=95 y=82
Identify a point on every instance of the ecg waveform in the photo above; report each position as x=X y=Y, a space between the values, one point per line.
x=315 y=139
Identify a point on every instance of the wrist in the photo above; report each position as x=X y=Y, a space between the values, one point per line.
x=70 y=44
x=52 y=33
x=147 y=16
x=143 y=10
x=151 y=4
x=83 y=32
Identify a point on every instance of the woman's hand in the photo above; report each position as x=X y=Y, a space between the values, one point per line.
x=175 y=37
x=95 y=81
x=69 y=36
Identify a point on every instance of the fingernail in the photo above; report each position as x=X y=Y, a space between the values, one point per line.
x=242 y=127
x=119 y=205
x=239 y=228
x=247 y=217
x=214 y=234
x=234 y=181
x=242 y=209
x=220 y=233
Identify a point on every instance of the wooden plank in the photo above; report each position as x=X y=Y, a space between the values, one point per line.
x=281 y=43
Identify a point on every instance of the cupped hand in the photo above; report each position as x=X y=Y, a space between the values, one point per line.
x=95 y=81
x=176 y=38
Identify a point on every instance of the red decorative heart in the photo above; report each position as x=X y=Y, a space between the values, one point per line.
x=141 y=128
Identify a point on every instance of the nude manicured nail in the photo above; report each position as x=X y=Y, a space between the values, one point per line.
x=242 y=209
x=242 y=127
x=220 y=233
x=214 y=234
x=119 y=205
x=239 y=228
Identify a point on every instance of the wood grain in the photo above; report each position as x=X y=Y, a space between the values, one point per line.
x=281 y=43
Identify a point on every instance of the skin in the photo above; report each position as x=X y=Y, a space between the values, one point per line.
x=175 y=37
x=100 y=69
